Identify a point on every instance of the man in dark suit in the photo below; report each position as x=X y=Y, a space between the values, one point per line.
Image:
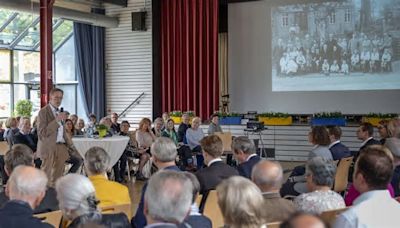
x=365 y=133
x=337 y=148
x=115 y=125
x=22 y=155
x=164 y=153
x=216 y=170
x=183 y=127
x=26 y=188
x=244 y=152
x=24 y=136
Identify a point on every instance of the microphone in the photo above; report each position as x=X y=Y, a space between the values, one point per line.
x=62 y=110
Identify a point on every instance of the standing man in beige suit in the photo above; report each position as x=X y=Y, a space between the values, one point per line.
x=53 y=142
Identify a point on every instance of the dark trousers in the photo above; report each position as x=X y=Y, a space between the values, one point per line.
x=185 y=156
x=4 y=176
x=120 y=167
x=199 y=157
x=76 y=162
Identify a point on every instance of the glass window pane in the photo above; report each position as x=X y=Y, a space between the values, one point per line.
x=5 y=15
x=5 y=65
x=34 y=96
x=65 y=62
x=69 y=99
x=16 y=27
x=26 y=66
x=5 y=101
x=62 y=32
x=31 y=38
x=20 y=92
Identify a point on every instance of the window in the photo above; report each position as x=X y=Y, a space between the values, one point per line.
x=5 y=71
x=332 y=17
x=5 y=101
x=26 y=67
x=285 y=20
x=347 y=16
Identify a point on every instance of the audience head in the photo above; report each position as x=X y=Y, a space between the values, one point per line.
x=11 y=122
x=242 y=148
x=76 y=196
x=163 y=151
x=319 y=136
x=335 y=133
x=170 y=125
x=19 y=154
x=373 y=169
x=69 y=125
x=25 y=125
x=303 y=220
x=241 y=202
x=96 y=161
x=81 y=124
x=214 y=118
x=185 y=118
x=27 y=184
x=383 y=129
x=320 y=172
x=195 y=184
x=125 y=126
x=168 y=197
x=393 y=129
x=196 y=121
x=165 y=116
x=268 y=176
x=158 y=123
x=145 y=124
x=212 y=147
x=365 y=131
x=74 y=119
x=92 y=118
x=114 y=117
x=56 y=96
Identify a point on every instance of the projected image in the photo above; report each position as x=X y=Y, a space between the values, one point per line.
x=347 y=45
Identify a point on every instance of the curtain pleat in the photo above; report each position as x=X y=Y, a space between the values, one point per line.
x=223 y=63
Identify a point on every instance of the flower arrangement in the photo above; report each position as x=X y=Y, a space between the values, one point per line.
x=275 y=118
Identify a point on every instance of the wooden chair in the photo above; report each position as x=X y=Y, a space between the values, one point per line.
x=198 y=199
x=3 y=147
x=53 y=218
x=120 y=208
x=212 y=210
x=342 y=173
x=273 y=225
x=226 y=138
x=330 y=216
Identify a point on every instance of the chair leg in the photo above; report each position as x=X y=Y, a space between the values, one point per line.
x=129 y=170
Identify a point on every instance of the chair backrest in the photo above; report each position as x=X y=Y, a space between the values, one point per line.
x=342 y=173
x=3 y=147
x=198 y=199
x=120 y=208
x=226 y=138
x=273 y=225
x=330 y=216
x=53 y=218
x=212 y=210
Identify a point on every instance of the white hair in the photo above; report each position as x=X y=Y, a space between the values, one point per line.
x=76 y=194
x=168 y=196
x=26 y=181
x=164 y=149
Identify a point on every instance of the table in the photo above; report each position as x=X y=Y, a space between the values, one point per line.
x=114 y=146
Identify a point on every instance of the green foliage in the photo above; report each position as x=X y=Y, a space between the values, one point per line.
x=23 y=108
x=191 y=113
x=101 y=127
x=381 y=115
x=328 y=115
x=274 y=114
x=175 y=114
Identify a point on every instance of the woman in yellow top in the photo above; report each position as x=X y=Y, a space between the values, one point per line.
x=108 y=192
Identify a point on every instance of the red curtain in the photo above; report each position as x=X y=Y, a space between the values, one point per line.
x=189 y=56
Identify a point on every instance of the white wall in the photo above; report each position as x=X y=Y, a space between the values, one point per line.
x=129 y=62
x=249 y=67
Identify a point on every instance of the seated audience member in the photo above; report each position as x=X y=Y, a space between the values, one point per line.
x=114 y=123
x=244 y=152
x=26 y=188
x=303 y=220
x=79 y=204
x=75 y=158
x=365 y=133
x=158 y=127
x=24 y=135
x=320 y=175
x=107 y=122
x=164 y=155
x=195 y=219
x=167 y=199
x=214 y=125
x=69 y=128
x=184 y=152
x=165 y=117
x=374 y=207
x=80 y=127
x=108 y=192
x=193 y=137
x=241 y=203
x=337 y=148
x=2 y=130
x=393 y=144
x=22 y=155
x=92 y=120
x=74 y=119
x=34 y=129
x=383 y=131
x=11 y=130
x=268 y=175
x=183 y=127
x=319 y=137
x=144 y=138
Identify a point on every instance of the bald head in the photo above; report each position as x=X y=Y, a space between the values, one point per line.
x=267 y=175
x=303 y=221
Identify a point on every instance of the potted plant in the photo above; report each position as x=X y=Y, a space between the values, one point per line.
x=375 y=118
x=176 y=116
x=191 y=115
x=102 y=129
x=229 y=118
x=328 y=118
x=275 y=118
x=23 y=108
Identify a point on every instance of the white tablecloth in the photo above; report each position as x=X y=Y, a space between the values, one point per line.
x=114 y=146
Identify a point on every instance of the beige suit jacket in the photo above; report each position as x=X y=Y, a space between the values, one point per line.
x=47 y=133
x=276 y=208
